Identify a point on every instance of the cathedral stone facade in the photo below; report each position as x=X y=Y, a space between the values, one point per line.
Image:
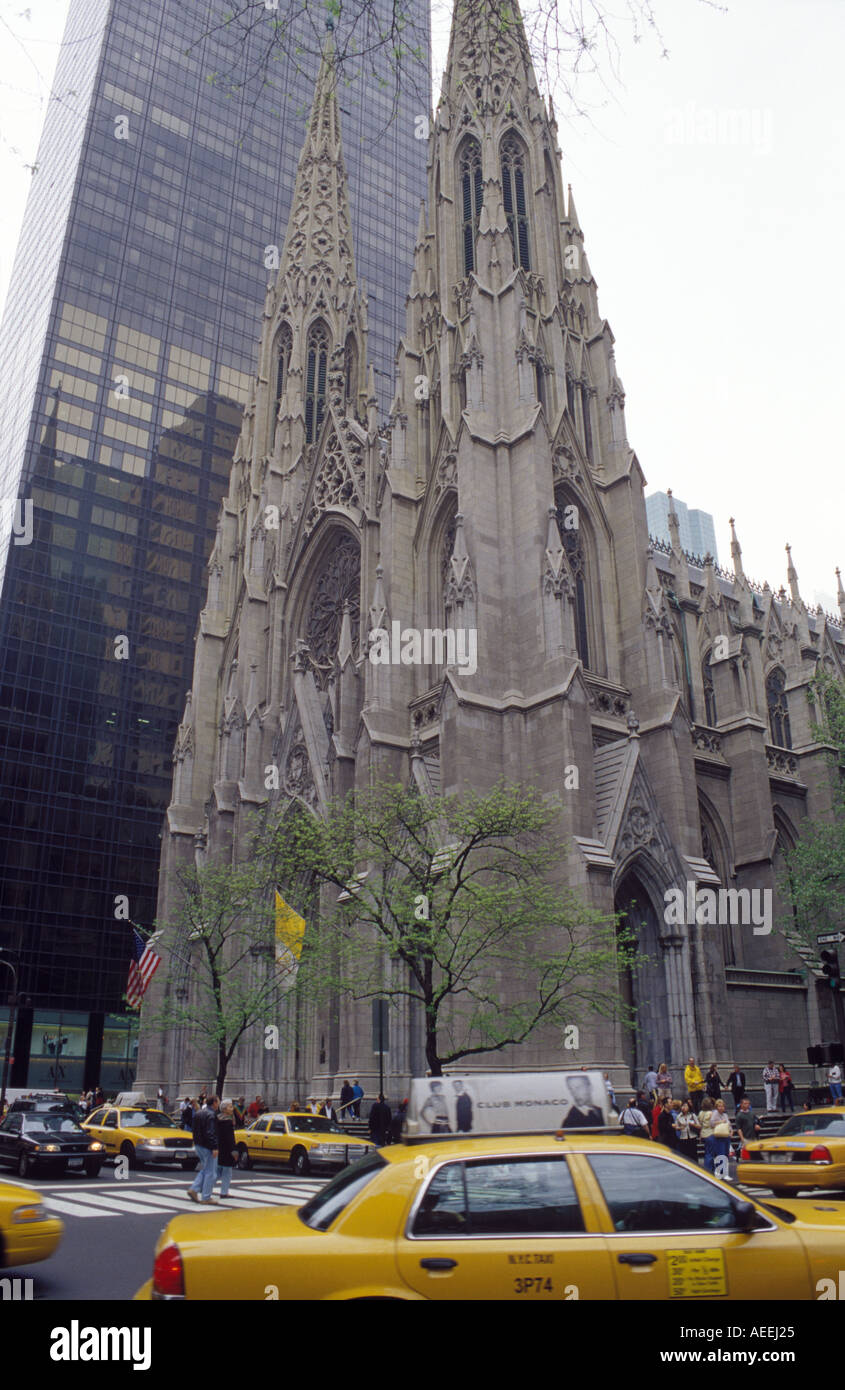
x=662 y=699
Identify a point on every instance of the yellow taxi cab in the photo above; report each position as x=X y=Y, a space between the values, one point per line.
x=808 y=1151
x=28 y=1232
x=301 y=1141
x=142 y=1135
x=540 y=1217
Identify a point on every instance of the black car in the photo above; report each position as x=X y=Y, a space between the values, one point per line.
x=48 y=1138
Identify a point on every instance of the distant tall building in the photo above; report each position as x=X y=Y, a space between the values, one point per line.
x=698 y=531
x=159 y=202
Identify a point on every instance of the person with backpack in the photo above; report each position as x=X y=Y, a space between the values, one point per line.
x=633 y=1121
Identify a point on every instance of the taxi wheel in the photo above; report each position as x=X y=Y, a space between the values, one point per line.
x=244 y=1160
x=127 y=1151
x=23 y=1165
x=299 y=1163
x=188 y=1165
x=782 y=1192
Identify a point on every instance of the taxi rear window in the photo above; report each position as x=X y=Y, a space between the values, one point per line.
x=832 y=1124
x=327 y=1204
x=146 y=1119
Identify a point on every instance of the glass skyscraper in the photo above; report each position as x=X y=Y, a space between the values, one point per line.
x=162 y=185
x=696 y=528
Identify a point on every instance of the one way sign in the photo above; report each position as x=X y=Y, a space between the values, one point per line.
x=831 y=938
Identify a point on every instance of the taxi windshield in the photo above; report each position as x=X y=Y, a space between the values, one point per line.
x=313 y=1124
x=51 y=1124
x=831 y=1123
x=330 y=1201
x=146 y=1119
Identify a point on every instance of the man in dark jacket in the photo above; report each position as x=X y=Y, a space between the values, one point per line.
x=736 y=1085
x=346 y=1099
x=397 y=1122
x=379 y=1122
x=205 y=1144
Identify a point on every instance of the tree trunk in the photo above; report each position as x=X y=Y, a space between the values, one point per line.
x=431 y=1055
x=222 y=1068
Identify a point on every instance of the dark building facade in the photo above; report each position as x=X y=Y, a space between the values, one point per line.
x=159 y=201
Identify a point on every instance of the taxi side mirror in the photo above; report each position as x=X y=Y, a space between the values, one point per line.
x=746 y=1215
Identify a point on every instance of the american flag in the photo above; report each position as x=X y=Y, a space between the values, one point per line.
x=144 y=965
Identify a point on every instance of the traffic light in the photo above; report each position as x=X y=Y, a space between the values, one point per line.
x=830 y=967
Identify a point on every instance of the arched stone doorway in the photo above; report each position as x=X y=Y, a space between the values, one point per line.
x=643 y=988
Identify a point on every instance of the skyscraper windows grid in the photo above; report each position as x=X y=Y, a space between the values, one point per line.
x=126 y=355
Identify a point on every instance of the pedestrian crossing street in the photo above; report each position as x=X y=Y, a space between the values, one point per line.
x=168 y=1198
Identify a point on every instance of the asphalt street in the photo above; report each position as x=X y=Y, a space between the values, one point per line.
x=111 y=1225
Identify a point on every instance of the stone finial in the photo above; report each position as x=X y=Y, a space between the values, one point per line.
x=736 y=552
x=633 y=724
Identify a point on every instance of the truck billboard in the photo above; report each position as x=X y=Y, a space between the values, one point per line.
x=503 y=1101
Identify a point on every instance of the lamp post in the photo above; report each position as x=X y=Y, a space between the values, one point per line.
x=13 y=1014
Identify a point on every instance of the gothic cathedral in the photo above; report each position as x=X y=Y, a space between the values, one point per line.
x=502 y=497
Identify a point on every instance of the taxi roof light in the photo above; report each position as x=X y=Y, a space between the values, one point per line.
x=168 y=1273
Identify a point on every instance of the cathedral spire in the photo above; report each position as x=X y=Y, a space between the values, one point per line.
x=792 y=579
x=488 y=61
x=318 y=235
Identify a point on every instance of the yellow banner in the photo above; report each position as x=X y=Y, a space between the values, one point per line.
x=290 y=929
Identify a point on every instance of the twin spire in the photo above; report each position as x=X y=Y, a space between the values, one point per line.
x=318 y=243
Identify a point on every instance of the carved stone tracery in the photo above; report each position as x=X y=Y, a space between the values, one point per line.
x=338 y=582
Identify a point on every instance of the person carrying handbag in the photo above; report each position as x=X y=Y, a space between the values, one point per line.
x=721 y=1131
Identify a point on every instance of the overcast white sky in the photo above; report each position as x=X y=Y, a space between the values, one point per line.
x=710 y=189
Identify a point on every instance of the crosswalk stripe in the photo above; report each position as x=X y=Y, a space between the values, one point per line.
x=117 y=1205
x=71 y=1209
x=86 y=1204
x=292 y=1189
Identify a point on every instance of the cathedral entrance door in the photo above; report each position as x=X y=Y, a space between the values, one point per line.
x=643 y=987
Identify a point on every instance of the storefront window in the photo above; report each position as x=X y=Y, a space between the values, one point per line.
x=57 y=1057
x=120 y=1053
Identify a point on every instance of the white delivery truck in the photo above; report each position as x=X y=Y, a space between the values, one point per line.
x=501 y=1102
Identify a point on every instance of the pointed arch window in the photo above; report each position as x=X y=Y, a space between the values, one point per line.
x=711 y=714
x=576 y=554
x=282 y=350
x=447 y=546
x=514 y=178
x=712 y=849
x=570 y=394
x=588 y=426
x=778 y=708
x=469 y=167
x=540 y=378
x=316 y=369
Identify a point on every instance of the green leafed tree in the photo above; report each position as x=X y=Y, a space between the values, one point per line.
x=814 y=878
x=220 y=951
x=451 y=903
